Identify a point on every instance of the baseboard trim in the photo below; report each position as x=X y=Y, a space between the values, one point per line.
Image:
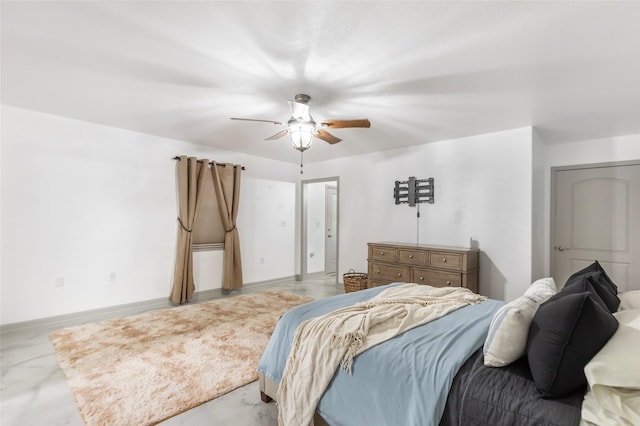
x=298 y=277
x=100 y=314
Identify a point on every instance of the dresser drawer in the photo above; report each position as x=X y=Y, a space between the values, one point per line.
x=378 y=283
x=389 y=273
x=412 y=257
x=445 y=260
x=436 y=278
x=383 y=253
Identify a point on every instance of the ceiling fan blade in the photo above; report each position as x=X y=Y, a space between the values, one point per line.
x=280 y=134
x=263 y=121
x=327 y=137
x=299 y=110
x=341 y=124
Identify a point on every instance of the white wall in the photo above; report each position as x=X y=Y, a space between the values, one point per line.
x=483 y=191
x=622 y=148
x=271 y=232
x=538 y=211
x=80 y=201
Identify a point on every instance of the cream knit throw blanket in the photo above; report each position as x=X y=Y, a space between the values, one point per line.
x=322 y=344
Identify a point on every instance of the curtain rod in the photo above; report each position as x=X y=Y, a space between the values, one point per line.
x=211 y=163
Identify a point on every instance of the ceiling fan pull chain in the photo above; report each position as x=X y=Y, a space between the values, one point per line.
x=301 y=153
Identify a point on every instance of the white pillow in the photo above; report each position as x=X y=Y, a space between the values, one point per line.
x=507 y=338
x=613 y=376
x=629 y=300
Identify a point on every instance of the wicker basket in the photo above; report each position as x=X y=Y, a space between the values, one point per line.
x=354 y=281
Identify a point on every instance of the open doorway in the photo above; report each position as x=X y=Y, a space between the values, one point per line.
x=320 y=226
x=330 y=228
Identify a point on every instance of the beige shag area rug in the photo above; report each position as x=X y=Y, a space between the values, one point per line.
x=145 y=368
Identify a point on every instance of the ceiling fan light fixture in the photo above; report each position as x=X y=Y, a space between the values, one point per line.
x=301 y=127
x=301 y=134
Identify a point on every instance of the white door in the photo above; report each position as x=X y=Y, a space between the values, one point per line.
x=597 y=217
x=331 y=237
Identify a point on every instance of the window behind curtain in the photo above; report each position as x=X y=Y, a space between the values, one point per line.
x=208 y=232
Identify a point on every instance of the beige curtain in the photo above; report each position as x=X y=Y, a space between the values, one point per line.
x=226 y=182
x=190 y=174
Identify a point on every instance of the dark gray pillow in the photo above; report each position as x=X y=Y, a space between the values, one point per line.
x=593 y=282
x=596 y=267
x=566 y=332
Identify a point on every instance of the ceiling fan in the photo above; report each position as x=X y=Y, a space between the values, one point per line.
x=302 y=128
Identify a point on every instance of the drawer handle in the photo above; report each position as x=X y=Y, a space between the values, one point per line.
x=378 y=271
x=410 y=256
x=444 y=259
x=448 y=282
x=381 y=253
x=399 y=274
x=421 y=278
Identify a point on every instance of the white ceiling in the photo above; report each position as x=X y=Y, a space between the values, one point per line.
x=420 y=71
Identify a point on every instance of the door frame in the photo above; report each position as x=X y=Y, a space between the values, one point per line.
x=553 y=206
x=304 y=213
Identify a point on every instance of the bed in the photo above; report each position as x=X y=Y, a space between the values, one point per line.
x=432 y=374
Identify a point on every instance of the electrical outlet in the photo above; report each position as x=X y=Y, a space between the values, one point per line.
x=59 y=282
x=262 y=260
x=112 y=277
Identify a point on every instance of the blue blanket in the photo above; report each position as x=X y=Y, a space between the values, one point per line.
x=404 y=381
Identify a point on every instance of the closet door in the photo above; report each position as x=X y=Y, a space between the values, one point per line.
x=597 y=217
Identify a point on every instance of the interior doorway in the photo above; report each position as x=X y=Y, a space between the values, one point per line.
x=595 y=210
x=320 y=227
x=330 y=228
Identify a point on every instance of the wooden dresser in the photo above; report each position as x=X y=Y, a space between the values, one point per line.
x=437 y=266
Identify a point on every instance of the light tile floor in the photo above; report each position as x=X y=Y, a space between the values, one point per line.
x=34 y=391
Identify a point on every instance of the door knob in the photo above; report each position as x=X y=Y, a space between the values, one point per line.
x=560 y=248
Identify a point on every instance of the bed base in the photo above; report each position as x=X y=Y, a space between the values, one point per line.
x=265 y=398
